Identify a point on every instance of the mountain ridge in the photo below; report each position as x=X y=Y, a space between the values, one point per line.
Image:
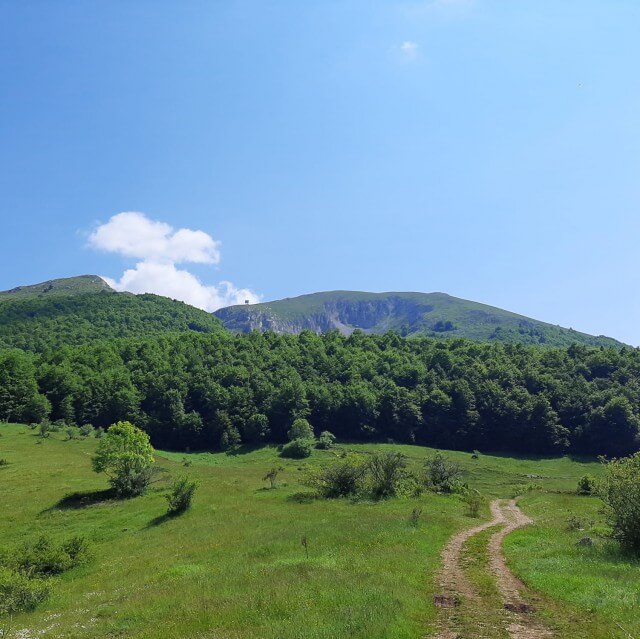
x=75 y=285
x=411 y=314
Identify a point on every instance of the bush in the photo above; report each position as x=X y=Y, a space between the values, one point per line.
x=3 y=462
x=414 y=517
x=586 y=485
x=300 y=429
x=574 y=523
x=297 y=449
x=18 y=593
x=385 y=472
x=181 y=495
x=43 y=558
x=326 y=440
x=474 y=501
x=442 y=474
x=86 y=430
x=126 y=456
x=72 y=433
x=342 y=479
x=620 y=491
x=44 y=428
x=132 y=484
x=271 y=476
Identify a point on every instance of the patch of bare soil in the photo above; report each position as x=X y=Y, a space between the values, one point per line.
x=521 y=624
x=457 y=592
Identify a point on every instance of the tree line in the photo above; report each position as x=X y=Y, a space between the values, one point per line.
x=209 y=391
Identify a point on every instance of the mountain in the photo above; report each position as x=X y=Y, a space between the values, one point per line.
x=83 y=309
x=410 y=314
x=63 y=286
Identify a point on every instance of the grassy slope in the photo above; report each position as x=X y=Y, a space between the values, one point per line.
x=420 y=312
x=234 y=565
x=63 y=286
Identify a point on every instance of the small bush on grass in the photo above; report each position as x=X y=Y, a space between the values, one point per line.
x=442 y=474
x=86 y=430
x=72 y=433
x=44 y=429
x=414 y=517
x=18 y=593
x=473 y=500
x=574 y=523
x=43 y=558
x=586 y=485
x=181 y=495
x=385 y=472
x=620 y=491
x=326 y=440
x=272 y=477
x=342 y=479
x=297 y=449
x=3 y=462
x=300 y=429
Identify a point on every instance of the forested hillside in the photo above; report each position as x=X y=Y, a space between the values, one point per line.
x=409 y=314
x=218 y=390
x=39 y=322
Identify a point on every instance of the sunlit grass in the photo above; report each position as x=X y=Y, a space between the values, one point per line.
x=234 y=565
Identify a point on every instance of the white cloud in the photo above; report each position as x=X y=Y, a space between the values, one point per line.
x=409 y=51
x=133 y=234
x=410 y=48
x=159 y=248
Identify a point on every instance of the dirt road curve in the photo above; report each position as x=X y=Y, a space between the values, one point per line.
x=464 y=613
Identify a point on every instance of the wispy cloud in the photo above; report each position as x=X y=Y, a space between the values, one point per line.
x=410 y=50
x=159 y=248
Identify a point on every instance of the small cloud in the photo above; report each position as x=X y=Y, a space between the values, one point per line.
x=410 y=50
x=159 y=247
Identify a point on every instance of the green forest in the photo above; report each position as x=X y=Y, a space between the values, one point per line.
x=207 y=391
x=50 y=320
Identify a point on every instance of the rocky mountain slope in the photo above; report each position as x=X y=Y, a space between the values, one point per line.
x=410 y=314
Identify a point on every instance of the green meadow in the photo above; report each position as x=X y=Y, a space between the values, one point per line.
x=235 y=566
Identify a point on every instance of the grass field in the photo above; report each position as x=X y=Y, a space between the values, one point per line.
x=234 y=565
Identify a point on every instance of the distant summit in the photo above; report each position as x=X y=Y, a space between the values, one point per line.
x=410 y=314
x=65 y=286
x=83 y=309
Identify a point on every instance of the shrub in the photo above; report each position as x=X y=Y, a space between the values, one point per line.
x=42 y=558
x=326 y=440
x=3 y=462
x=86 y=430
x=72 y=433
x=272 y=475
x=297 y=449
x=442 y=474
x=620 y=491
x=574 y=523
x=181 y=495
x=385 y=471
x=18 y=593
x=342 y=479
x=126 y=456
x=300 y=429
x=99 y=432
x=586 y=485
x=473 y=500
x=414 y=517
x=44 y=429
x=230 y=438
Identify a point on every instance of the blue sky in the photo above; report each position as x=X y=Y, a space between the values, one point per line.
x=487 y=149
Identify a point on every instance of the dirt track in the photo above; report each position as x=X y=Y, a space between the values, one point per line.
x=462 y=607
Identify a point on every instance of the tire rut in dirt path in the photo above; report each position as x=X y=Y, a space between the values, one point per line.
x=459 y=599
x=521 y=623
